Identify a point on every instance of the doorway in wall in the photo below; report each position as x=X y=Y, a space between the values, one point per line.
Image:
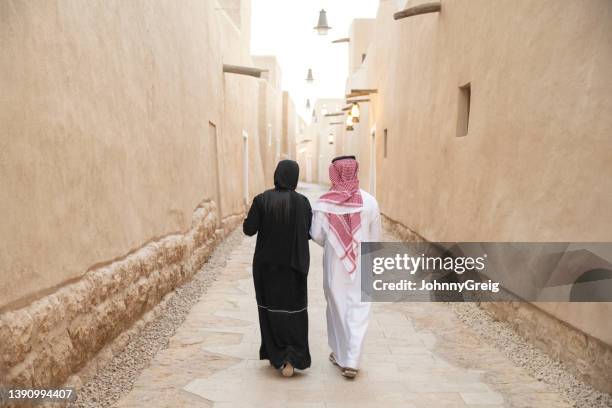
x=308 y=169
x=373 y=160
x=214 y=149
x=245 y=166
x=277 y=151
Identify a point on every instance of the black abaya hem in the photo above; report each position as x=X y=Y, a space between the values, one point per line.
x=284 y=338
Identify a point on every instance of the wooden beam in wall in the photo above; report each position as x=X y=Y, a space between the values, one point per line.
x=425 y=8
x=334 y=114
x=358 y=100
x=336 y=123
x=360 y=92
x=242 y=70
x=341 y=40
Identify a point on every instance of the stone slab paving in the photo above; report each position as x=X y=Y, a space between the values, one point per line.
x=416 y=355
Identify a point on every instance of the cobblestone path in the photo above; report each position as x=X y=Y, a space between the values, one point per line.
x=416 y=355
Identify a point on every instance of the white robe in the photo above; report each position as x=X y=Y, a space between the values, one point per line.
x=347 y=316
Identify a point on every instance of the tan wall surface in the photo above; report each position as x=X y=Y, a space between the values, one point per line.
x=536 y=161
x=360 y=32
x=319 y=130
x=104 y=129
x=307 y=151
x=270 y=114
x=289 y=127
x=277 y=118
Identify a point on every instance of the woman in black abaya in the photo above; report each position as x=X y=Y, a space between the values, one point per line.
x=281 y=219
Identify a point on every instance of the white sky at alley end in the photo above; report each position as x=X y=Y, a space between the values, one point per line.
x=284 y=28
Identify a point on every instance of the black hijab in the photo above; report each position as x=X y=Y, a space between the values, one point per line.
x=286 y=175
x=279 y=205
x=284 y=231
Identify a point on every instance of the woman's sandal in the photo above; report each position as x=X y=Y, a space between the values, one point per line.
x=287 y=370
x=349 y=372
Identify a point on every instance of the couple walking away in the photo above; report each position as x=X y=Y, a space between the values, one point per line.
x=283 y=220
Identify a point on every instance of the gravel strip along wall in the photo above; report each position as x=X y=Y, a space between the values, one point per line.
x=80 y=326
x=584 y=356
x=116 y=378
x=522 y=352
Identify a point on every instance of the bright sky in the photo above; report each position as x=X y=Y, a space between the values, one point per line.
x=284 y=28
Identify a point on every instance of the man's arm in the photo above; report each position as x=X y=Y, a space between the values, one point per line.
x=316 y=229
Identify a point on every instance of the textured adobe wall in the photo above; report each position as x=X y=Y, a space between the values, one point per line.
x=319 y=130
x=270 y=115
x=534 y=165
x=360 y=32
x=535 y=162
x=104 y=117
x=106 y=150
x=289 y=127
x=46 y=341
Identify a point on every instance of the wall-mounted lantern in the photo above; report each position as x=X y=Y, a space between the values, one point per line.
x=309 y=77
x=330 y=138
x=307 y=103
x=349 y=122
x=355 y=112
x=322 y=26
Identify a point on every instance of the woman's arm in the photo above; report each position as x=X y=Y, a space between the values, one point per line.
x=316 y=228
x=250 y=226
x=308 y=216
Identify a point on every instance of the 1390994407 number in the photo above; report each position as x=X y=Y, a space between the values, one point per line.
x=38 y=394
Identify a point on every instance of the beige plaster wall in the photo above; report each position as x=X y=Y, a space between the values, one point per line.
x=359 y=143
x=307 y=154
x=270 y=113
x=360 y=33
x=289 y=127
x=319 y=129
x=104 y=130
x=536 y=161
x=277 y=117
x=306 y=157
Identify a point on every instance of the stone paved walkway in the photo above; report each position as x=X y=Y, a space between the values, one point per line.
x=416 y=355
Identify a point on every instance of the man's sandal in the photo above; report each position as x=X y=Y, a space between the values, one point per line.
x=349 y=372
x=332 y=358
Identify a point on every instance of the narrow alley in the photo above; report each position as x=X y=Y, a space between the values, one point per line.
x=137 y=136
x=416 y=355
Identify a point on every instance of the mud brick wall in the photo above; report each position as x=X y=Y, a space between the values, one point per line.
x=45 y=342
x=401 y=231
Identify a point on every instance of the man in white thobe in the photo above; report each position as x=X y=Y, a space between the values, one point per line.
x=342 y=219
